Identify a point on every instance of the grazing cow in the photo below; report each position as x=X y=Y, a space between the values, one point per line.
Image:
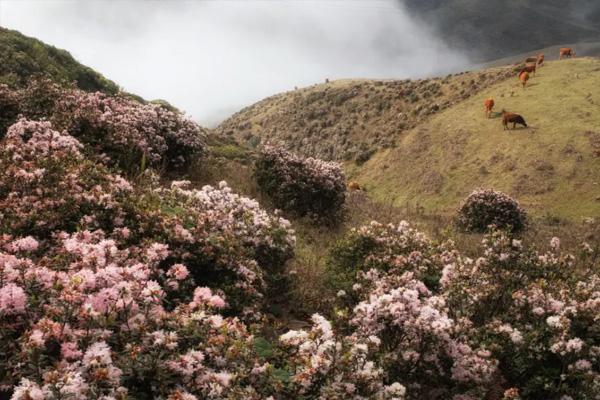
x=540 y=60
x=512 y=118
x=566 y=52
x=531 y=60
x=353 y=186
x=524 y=77
x=528 y=68
x=489 y=104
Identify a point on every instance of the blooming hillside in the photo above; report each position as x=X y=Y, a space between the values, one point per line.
x=116 y=284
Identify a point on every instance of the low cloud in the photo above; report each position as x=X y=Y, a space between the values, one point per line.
x=211 y=58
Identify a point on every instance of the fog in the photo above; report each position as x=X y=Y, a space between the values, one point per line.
x=211 y=58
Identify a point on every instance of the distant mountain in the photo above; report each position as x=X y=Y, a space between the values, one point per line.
x=493 y=29
x=22 y=57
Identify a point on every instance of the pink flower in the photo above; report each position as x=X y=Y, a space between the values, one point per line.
x=27 y=390
x=97 y=355
x=178 y=271
x=70 y=351
x=12 y=299
x=24 y=244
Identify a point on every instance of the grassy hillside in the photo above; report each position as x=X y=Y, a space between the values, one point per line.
x=22 y=57
x=351 y=119
x=489 y=30
x=552 y=167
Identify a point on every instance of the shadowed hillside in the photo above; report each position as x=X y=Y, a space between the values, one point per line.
x=552 y=167
x=489 y=30
x=351 y=119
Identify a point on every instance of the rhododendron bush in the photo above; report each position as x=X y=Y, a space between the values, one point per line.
x=512 y=318
x=486 y=207
x=116 y=129
x=388 y=248
x=108 y=289
x=304 y=186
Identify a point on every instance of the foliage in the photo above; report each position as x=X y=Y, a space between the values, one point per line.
x=486 y=207
x=304 y=186
x=99 y=281
x=22 y=57
x=489 y=326
x=115 y=129
x=386 y=248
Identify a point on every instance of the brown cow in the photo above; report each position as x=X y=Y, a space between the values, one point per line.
x=566 y=52
x=512 y=118
x=531 y=60
x=488 y=104
x=353 y=185
x=524 y=77
x=540 y=60
x=528 y=68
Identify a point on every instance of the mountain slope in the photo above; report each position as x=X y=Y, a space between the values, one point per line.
x=552 y=167
x=22 y=57
x=351 y=119
x=489 y=30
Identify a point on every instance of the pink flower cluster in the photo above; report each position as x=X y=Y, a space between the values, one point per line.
x=117 y=129
x=91 y=316
x=109 y=290
x=46 y=183
x=486 y=325
x=223 y=236
x=305 y=186
x=120 y=126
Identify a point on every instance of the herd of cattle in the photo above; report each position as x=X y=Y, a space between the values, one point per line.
x=531 y=65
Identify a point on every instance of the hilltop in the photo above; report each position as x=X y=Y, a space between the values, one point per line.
x=352 y=119
x=22 y=57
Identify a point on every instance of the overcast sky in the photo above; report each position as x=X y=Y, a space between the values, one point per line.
x=211 y=58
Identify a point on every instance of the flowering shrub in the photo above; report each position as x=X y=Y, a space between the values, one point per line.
x=87 y=320
x=128 y=132
x=47 y=185
x=227 y=239
x=489 y=207
x=388 y=248
x=329 y=366
x=109 y=290
x=487 y=327
x=304 y=186
x=532 y=309
x=115 y=129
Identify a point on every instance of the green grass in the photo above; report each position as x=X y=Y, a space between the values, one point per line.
x=550 y=167
x=22 y=57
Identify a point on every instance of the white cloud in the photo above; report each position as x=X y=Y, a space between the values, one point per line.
x=211 y=58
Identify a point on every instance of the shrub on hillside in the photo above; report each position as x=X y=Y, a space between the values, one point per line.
x=531 y=309
x=486 y=207
x=226 y=240
x=386 y=248
x=114 y=129
x=107 y=289
x=129 y=133
x=487 y=329
x=303 y=186
x=47 y=185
